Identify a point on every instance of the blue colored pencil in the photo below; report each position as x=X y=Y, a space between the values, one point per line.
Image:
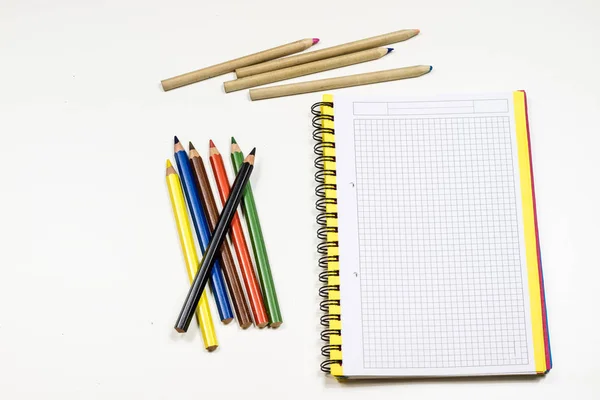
x=217 y=283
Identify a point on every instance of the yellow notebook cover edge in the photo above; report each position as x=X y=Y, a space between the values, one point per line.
x=541 y=348
x=330 y=208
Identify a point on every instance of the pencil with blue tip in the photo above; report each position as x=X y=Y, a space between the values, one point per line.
x=306 y=69
x=203 y=233
x=207 y=328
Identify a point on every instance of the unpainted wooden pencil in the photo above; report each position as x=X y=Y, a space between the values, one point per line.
x=306 y=69
x=230 y=66
x=346 y=48
x=340 y=82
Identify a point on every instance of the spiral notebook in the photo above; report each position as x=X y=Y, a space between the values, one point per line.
x=430 y=252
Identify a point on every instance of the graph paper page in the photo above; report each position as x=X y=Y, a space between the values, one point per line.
x=432 y=256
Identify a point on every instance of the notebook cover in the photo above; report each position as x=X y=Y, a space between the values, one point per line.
x=540 y=318
x=542 y=354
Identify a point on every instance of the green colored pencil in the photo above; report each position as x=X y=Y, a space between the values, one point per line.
x=258 y=244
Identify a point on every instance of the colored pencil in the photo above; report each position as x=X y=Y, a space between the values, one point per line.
x=230 y=66
x=306 y=69
x=212 y=251
x=340 y=82
x=261 y=319
x=346 y=48
x=258 y=244
x=229 y=271
x=188 y=248
x=203 y=232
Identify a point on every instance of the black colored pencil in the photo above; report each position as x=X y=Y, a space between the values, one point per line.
x=212 y=251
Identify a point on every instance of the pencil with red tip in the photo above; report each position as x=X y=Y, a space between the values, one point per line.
x=261 y=319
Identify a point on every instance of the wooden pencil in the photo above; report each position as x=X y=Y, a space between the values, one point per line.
x=210 y=207
x=188 y=248
x=261 y=319
x=258 y=244
x=203 y=232
x=212 y=251
x=340 y=82
x=346 y=48
x=306 y=69
x=230 y=66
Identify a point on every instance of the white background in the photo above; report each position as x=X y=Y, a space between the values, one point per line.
x=91 y=275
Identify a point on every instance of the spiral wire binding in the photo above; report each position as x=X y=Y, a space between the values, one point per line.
x=322 y=217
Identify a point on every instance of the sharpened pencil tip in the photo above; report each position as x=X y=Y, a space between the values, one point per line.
x=176 y=139
x=315 y=41
x=418 y=31
x=191 y=146
x=430 y=68
x=211 y=144
x=250 y=160
x=235 y=148
x=390 y=49
x=170 y=169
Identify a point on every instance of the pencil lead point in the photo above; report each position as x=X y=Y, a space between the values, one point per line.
x=233 y=140
x=253 y=152
x=169 y=165
x=176 y=139
x=390 y=49
x=211 y=144
x=191 y=146
x=315 y=41
x=430 y=68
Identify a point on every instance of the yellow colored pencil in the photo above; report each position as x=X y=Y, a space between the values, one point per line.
x=188 y=247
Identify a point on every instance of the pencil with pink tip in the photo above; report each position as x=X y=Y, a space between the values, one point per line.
x=230 y=66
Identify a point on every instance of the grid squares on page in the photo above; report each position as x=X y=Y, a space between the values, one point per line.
x=439 y=251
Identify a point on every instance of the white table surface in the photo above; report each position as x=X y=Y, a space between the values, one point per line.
x=91 y=274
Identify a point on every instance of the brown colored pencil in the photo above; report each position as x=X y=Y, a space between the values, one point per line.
x=229 y=271
x=230 y=66
x=346 y=48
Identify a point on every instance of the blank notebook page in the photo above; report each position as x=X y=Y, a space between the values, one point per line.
x=432 y=255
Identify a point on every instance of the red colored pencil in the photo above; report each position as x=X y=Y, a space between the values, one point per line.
x=261 y=319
